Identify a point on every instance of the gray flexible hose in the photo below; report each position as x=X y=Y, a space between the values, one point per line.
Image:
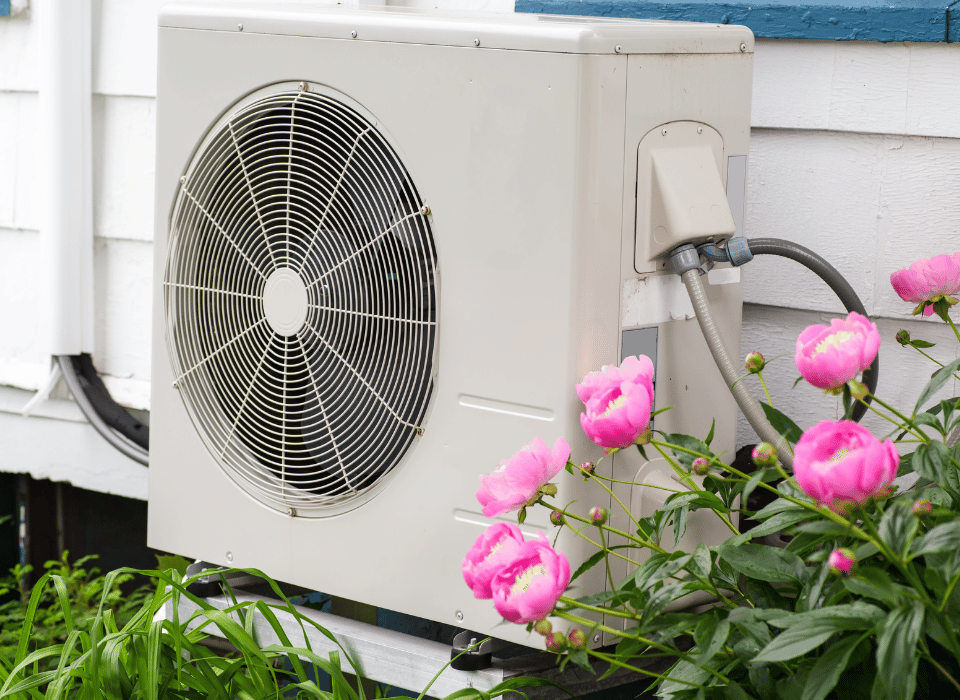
x=134 y=452
x=752 y=410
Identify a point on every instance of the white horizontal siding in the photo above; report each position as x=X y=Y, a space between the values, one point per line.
x=908 y=89
x=869 y=203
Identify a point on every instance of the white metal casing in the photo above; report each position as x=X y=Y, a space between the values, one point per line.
x=525 y=150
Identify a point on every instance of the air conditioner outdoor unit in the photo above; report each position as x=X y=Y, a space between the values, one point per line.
x=388 y=245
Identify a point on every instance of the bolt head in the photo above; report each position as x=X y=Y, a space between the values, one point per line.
x=353 y=34
x=292 y=512
x=183 y=179
x=301 y=87
x=596 y=638
x=617 y=48
x=239 y=27
x=699 y=129
x=743 y=47
x=459 y=615
x=229 y=556
x=663 y=132
x=424 y=210
x=476 y=42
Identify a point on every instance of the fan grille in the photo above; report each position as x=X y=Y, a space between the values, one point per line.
x=301 y=300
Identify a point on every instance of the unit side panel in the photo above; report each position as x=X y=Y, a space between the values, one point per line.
x=492 y=141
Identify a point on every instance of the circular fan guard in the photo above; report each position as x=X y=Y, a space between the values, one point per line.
x=300 y=298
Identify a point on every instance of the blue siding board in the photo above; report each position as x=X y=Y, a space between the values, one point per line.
x=4 y=8
x=862 y=20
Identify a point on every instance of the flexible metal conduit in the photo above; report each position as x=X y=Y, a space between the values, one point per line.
x=829 y=274
x=752 y=410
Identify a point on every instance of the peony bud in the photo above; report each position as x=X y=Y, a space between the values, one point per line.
x=903 y=337
x=543 y=627
x=598 y=515
x=858 y=390
x=587 y=468
x=701 y=466
x=842 y=561
x=549 y=489
x=754 y=363
x=577 y=638
x=556 y=641
x=764 y=455
x=556 y=517
x=922 y=508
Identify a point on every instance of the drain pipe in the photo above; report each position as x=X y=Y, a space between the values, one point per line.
x=66 y=171
x=66 y=227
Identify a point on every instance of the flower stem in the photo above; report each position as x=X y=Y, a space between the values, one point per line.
x=946 y=595
x=563 y=614
x=908 y=422
x=955 y=332
x=693 y=485
x=946 y=674
x=765 y=390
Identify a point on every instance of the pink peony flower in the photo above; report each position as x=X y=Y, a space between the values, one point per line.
x=527 y=588
x=493 y=549
x=830 y=356
x=617 y=402
x=518 y=479
x=841 y=462
x=842 y=561
x=929 y=280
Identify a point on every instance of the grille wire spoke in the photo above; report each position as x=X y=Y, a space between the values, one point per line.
x=301 y=300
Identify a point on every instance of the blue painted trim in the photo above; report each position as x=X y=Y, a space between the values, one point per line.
x=4 y=8
x=846 y=20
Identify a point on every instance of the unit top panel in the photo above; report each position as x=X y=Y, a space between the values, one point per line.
x=523 y=32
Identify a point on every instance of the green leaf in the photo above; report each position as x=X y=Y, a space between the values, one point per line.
x=782 y=424
x=710 y=434
x=930 y=420
x=942 y=538
x=588 y=564
x=580 y=658
x=680 y=524
x=826 y=672
x=937 y=380
x=778 y=522
x=764 y=563
x=897 y=655
x=850 y=616
x=898 y=526
x=701 y=562
x=712 y=639
x=921 y=344
x=874 y=583
x=690 y=443
x=791 y=644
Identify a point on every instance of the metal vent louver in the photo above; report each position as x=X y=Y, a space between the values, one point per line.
x=301 y=300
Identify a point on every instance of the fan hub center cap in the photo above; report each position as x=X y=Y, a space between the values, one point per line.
x=285 y=301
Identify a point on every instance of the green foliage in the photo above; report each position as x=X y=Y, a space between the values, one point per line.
x=782 y=623
x=75 y=636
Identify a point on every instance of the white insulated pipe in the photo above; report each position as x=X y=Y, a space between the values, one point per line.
x=65 y=192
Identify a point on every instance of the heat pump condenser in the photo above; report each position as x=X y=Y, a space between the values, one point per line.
x=388 y=245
